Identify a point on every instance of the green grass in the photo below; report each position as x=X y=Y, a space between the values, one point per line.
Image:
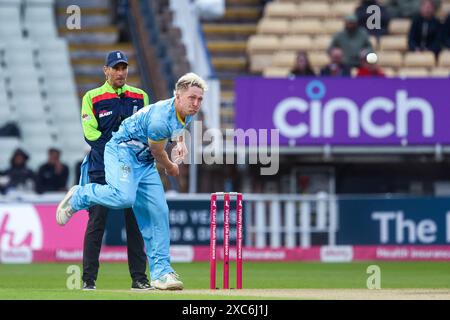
x=48 y=281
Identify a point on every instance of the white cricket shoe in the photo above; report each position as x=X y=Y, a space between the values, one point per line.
x=169 y=281
x=65 y=211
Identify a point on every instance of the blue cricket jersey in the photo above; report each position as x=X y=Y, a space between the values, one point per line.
x=157 y=122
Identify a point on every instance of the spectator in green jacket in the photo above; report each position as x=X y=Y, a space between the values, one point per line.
x=351 y=40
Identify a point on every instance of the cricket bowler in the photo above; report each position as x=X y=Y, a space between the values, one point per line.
x=132 y=177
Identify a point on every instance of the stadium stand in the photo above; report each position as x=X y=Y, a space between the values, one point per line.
x=280 y=30
x=43 y=75
x=226 y=39
x=37 y=88
x=172 y=51
x=100 y=33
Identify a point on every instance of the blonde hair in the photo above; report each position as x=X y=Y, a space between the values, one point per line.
x=190 y=80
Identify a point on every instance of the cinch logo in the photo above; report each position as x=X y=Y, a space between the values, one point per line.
x=321 y=123
x=20 y=227
x=104 y=113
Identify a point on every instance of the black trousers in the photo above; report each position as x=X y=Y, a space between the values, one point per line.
x=137 y=260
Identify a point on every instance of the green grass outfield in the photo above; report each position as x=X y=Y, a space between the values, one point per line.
x=48 y=281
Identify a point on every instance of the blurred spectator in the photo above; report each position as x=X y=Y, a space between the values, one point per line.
x=405 y=8
x=361 y=13
x=53 y=175
x=351 y=40
x=425 y=32
x=10 y=129
x=446 y=33
x=336 y=67
x=119 y=18
x=302 y=65
x=18 y=177
x=366 y=69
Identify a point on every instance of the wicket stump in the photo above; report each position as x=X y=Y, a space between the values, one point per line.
x=226 y=239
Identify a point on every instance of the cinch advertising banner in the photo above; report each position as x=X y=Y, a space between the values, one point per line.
x=409 y=221
x=340 y=111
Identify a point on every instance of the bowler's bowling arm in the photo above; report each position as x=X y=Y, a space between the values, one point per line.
x=157 y=148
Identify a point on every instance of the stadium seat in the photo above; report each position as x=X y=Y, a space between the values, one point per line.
x=440 y=73
x=444 y=59
x=374 y=42
x=37 y=157
x=6 y=114
x=39 y=19
x=55 y=44
x=2 y=54
x=394 y=42
x=52 y=57
x=307 y=26
x=60 y=87
x=29 y=107
x=73 y=127
x=64 y=106
x=389 y=72
x=73 y=136
x=258 y=62
x=342 y=9
x=262 y=44
x=71 y=159
x=399 y=26
x=413 y=72
x=10 y=26
x=295 y=43
x=60 y=71
x=25 y=85
x=313 y=9
x=20 y=54
x=419 y=59
x=392 y=59
x=276 y=72
x=56 y=56
x=19 y=60
x=28 y=117
x=273 y=26
x=284 y=59
x=333 y=25
x=3 y=93
x=443 y=10
x=72 y=142
x=321 y=42
x=318 y=59
x=285 y=10
x=61 y=96
x=38 y=128
x=38 y=142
